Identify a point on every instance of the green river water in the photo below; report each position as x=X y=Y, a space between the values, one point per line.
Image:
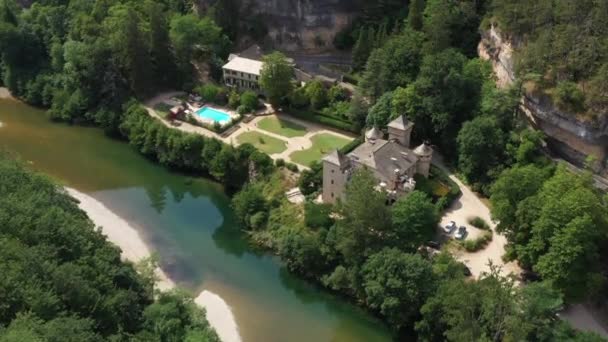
x=189 y=223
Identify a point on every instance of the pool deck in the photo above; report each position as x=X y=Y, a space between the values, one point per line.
x=293 y=144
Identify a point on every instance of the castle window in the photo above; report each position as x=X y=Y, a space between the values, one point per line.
x=332 y=181
x=332 y=195
x=332 y=171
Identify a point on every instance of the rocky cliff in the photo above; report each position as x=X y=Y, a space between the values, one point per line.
x=296 y=25
x=568 y=136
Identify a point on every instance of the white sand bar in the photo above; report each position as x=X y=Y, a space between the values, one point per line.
x=134 y=249
x=219 y=316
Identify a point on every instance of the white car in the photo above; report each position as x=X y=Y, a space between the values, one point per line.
x=461 y=233
x=448 y=229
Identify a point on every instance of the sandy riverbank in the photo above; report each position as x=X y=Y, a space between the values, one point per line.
x=133 y=247
x=5 y=94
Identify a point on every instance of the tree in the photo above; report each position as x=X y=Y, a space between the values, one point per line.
x=414 y=17
x=248 y=202
x=415 y=221
x=395 y=64
x=315 y=91
x=363 y=47
x=189 y=34
x=512 y=187
x=311 y=180
x=397 y=284
x=381 y=112
x=275 y=77
x=480 y=148
x=366 y=218
x=249 y=99
x=160 y=43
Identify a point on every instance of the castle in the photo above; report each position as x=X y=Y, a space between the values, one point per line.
x=391 y=161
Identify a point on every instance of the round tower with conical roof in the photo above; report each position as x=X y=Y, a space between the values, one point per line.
x=424 y=153
x=373 y=134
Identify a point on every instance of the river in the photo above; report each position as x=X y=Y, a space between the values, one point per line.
x=189 y=224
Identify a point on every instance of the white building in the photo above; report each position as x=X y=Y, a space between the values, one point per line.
x=242 y=73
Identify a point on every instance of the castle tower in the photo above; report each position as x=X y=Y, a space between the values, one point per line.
x=335 y=176
x=424 y=153
x=400 y=130
x=373 y=134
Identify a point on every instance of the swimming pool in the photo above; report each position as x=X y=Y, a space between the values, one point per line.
x=213 y=114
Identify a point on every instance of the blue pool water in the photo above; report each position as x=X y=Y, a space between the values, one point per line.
x=213 y=114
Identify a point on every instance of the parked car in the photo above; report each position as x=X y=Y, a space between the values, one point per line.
x=434 y=244
x=466 y=270
x=461 y=234
x=449 y=228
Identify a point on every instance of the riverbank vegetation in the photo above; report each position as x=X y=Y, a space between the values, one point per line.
x=63 y=281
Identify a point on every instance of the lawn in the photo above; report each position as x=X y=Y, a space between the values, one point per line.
x=263 y=142
x=321 y=145
x=282 y=127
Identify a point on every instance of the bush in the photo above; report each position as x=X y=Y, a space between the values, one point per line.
x=249 y=99
x=478 y=244
x=317 y=215
x=352 y=145
x=258 y=220
x=325 y=120
x=243 y=110
x=569 y=97
x=298 y=98
x=208 y=92
x=280 y=162
x=292 y=167
x=337 y=94
x=478 y=222
x=234 y=100
x=317 y=94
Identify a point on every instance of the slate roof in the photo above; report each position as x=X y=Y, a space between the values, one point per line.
x=385 y=157
x=400 y=123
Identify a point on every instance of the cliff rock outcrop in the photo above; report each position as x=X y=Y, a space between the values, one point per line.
x=569 y=137
x=296 y=25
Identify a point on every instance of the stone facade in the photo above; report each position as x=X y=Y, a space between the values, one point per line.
x=391 y=161
x=242 y=73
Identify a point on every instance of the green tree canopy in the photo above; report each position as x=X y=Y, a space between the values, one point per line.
x=275 y=78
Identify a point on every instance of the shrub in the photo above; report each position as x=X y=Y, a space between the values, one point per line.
x=337 y=94
x=234 y=100
x=280 y=162
x=258 y=220
x=208 y=92
x=249 y=99
x=478 y=222
x=298 y=98
x=221 y=97
x=242 y=110
x=292 y=167
x=569 y=97
x=478 y=244
x=317 y=215
x=352 y=145
x=317 y=94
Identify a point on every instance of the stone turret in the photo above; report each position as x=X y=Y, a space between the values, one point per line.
x=400 y=130
x=373 y=134
x=424 y=153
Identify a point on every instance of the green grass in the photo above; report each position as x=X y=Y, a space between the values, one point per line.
x=263 y=142
x=282 y=127
x=321 y=145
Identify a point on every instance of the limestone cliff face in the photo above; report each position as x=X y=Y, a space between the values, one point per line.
x=296 y=25
x=569 y=137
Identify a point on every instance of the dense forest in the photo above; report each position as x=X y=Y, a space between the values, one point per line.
x=63 y=281
x=562 y=49
x=86 y=60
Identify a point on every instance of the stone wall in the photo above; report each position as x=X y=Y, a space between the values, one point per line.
x=297 y=25
x=569 y=137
